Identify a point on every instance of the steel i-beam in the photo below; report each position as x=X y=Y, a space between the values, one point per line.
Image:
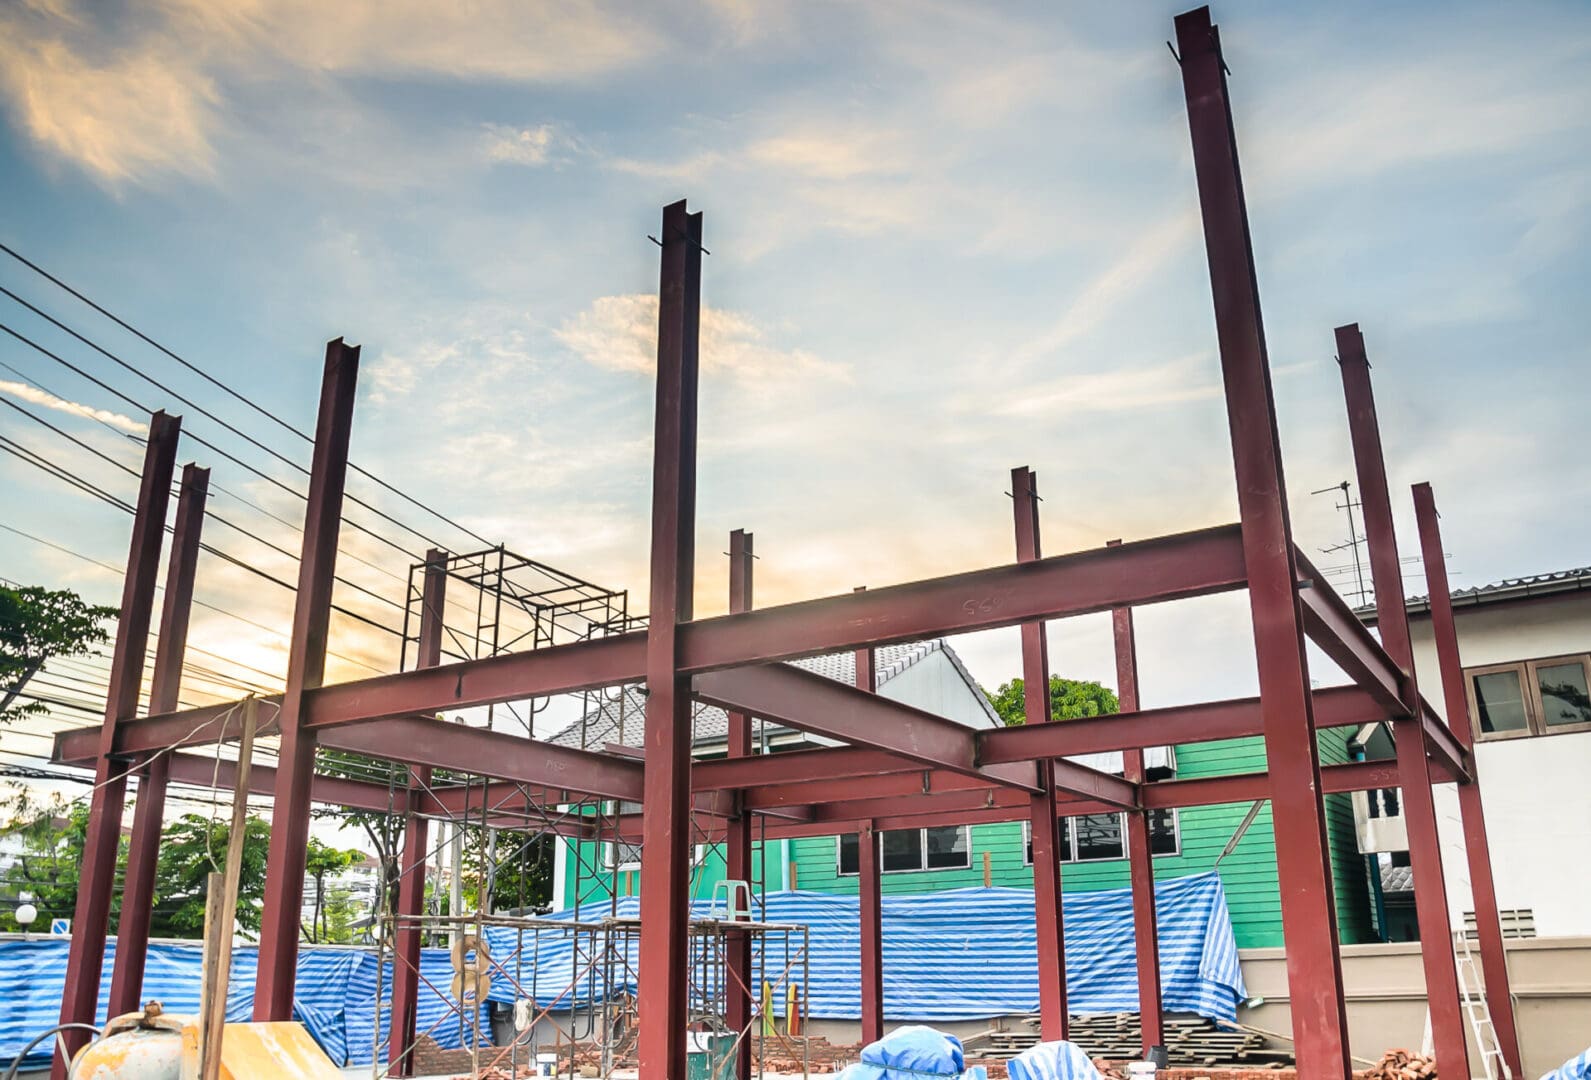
x=1472 y=812
x=1043 y=808
x=1309 y=918
x=411 y=876
x=143 y=847
x=306 y=666
x=666 y=808
x=737 y=848
x=870 y=891
x=97 y=880
x=1414 y=768
x=1140 y=856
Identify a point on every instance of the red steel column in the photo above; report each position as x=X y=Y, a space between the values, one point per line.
x=411 y=876
x=1488 y=925
x=870 y=893
x=1408 y=733
x=143 y=850
x=1140 y=858
x=97 y=881
x=666 y=812
x=306 y=665
x=737 y=849
x=1303 y=862
x=1043 y=809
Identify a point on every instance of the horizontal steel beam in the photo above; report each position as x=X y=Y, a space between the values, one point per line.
x=1332 y=625
x=821 y=706
x=1444 y=747
x=221 y=774
x=418 y=740
x=1143 y=572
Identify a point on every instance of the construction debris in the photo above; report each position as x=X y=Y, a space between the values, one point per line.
x=1402 y=1065
x=1190 y=1041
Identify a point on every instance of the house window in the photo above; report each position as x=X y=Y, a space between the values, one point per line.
x=903 y=850
x=621 y=856
x=1532 y=697
x=1101 y=837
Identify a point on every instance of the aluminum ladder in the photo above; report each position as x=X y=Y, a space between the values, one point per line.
x=1473 y=999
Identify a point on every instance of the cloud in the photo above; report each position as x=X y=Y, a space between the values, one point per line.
x=620 y=333
x=24 y=392
x=125 y=116
x=520 y=146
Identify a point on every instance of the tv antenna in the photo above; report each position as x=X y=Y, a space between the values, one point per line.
x=1348 y=505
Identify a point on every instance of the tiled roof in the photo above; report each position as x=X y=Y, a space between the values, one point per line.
x=619 y=720
x=1517 y=588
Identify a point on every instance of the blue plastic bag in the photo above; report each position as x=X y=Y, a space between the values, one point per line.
x=1578 y=1069
x=909 y=1052
x=1052 y=1061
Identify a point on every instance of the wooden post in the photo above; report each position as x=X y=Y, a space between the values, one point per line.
x=220 y=912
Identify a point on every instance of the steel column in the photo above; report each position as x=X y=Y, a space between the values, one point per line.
x=97 y=880
x=1043 y=807
x=143 y=848
x=1477 y=849
x=870 y=890
x=1139 y=856
x=1309 y=918
x=666 y=809
x=1408 y=735
x=306 y=666
x=737 y=851
x=870 y=912
x=411 y=875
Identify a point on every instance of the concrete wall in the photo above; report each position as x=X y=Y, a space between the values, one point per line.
x=1386 y=997
x=1537 y=790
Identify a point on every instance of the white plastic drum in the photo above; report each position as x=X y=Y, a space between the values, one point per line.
x=134 y=1054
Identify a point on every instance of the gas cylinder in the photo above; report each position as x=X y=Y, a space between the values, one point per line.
x=138 y=1046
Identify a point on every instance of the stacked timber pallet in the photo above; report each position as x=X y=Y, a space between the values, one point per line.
x=1190 y=1040
x=1402 y=1065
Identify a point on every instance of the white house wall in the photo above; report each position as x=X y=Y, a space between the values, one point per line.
x=1537 y=791
x=934 y=685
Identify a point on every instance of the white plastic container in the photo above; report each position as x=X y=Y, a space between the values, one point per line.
x=1140 y=1069
x=546 y=1064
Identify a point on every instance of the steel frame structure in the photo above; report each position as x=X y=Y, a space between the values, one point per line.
x=901 y=767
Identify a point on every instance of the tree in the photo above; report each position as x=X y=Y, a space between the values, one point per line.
x=517 y=874
x=1070 y=699
x=53 y=833
x=35 y=625
x=384 y=830
x=191 y=849
x=329 y=920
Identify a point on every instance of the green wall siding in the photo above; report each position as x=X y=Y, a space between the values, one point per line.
x=593 y=884
x=1248 y=873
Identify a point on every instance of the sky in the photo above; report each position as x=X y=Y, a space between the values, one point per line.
x=945 y=240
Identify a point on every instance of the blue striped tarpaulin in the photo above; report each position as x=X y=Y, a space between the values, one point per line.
x=335 y=994
x=962 y=954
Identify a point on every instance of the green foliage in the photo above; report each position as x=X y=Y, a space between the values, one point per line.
x=523 y=871
x=333 y=914
x=1070 y=699
x=192 y=848
x=53 y=833
x=383 y=830
x=35 y=625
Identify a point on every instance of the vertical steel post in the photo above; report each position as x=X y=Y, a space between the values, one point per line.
x=1043 y=809
x=1140 y=857
x=1303 y=856
x=1408 y=733
x=306 y=665
x=1488 y=924
x=97 y=879
x=737 y=849
x=143 y=849
x=870 y=892
x=666 y=815
x=416 y=838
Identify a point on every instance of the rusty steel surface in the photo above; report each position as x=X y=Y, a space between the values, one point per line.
x=737 y=847
x=1043 y=806
x=1140 y=858
x=1309 y=917
x=97 y=877
x=306 y=665
x=1472 y=812
x=138 y=886
x=665 y=849
x=1408 y=734
x=411 y=879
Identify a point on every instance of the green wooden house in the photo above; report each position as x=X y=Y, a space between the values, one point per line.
x=930 y=676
